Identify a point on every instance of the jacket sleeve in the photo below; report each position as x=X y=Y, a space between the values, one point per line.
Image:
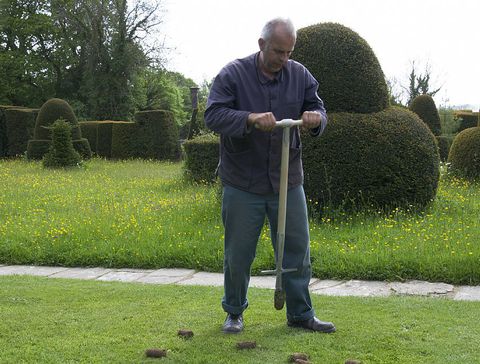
x=312 y=102
x=221 y=115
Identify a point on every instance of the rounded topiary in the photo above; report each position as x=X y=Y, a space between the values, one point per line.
x=61 y=153
x=201 y=158
x=379 y=160
x=349 y=74
x=464 y=156
x=51 y=111
x=424 y=106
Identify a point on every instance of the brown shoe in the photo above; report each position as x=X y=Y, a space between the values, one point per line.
x=314 y=324
x=233 y=324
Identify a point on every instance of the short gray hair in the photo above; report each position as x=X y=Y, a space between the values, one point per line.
x=269 y=28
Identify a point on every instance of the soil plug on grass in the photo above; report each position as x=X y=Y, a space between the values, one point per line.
x=246 y=345
x=155 y=353
x=298 y=356
x=185 y=334
x=301 y=361
x=352 y=361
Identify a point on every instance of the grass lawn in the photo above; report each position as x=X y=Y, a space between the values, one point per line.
x=64 y=321
x=142 y=214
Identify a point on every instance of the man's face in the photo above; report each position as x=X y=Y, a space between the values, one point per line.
x=276 y=51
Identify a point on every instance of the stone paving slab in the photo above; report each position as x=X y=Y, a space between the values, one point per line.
x=167 y=276
x=421 y=288
x=203 y=279
x=467 y=293
x=263 y=282
x=81 y=273
x=124 y=275
x=353 y=288
x=30 y=270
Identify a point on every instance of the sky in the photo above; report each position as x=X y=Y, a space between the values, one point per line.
x=444 y=35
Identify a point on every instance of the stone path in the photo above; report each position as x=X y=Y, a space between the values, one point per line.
x=192 y=277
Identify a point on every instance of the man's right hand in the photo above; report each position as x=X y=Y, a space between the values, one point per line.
x=263 y=121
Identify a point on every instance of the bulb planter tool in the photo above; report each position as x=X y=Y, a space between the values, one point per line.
x=279 y=297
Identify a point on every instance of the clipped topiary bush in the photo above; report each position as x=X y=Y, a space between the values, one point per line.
x=19 y=125
x=3 y=132
x=424 y=106
x=467 y=119
x=61 y=153
x=158 y=134
x=379 y=160
x=349 y=74
x=124 y=145
x=201 y=158
x=89 y=132
x=464 y=156
x=51 y=111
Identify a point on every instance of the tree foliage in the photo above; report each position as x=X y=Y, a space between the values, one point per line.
x=89 y=52
x=420 y=84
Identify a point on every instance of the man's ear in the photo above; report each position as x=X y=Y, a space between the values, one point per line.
x=261 y=44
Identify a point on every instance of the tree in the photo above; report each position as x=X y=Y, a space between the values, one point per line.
x=85 y=51
x=26 y=33
x=419 y=84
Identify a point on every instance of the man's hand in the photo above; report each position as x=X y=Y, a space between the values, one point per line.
x=311 y=119
x=263 y=121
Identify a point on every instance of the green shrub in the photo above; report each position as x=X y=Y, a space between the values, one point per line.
x=51 y=111
x=444 y=143
x=349 y=74
x=379 y=160
x=124 y=141
x=467 y=119
x=61 y=153
x=464 y=156
x=158 y=135
x=201 y=158
x=3 y=132
x=424 y=106
x=19 y=125
x=89 y=132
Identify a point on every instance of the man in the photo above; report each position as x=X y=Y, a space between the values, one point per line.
x=246 y=99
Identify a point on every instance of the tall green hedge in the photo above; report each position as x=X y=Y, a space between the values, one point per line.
x=349 y=74
x=467 y=119
x=201 y=158
x=158 y=134
x=19 y=124
x=89 y=132
x=379 y=160
x=124 y=141
x=464 y=156
x=3 y=132
x=424 y=106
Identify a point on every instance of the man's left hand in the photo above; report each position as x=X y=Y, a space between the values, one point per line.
x=311 y=119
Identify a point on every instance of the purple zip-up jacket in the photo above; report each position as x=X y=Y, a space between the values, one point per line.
x=250 y=158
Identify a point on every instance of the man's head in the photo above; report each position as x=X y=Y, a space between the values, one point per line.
x=276 y=43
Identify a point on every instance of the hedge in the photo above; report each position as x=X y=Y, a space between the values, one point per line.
x=201 y=158
x=19 y=125
x=379 y=160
